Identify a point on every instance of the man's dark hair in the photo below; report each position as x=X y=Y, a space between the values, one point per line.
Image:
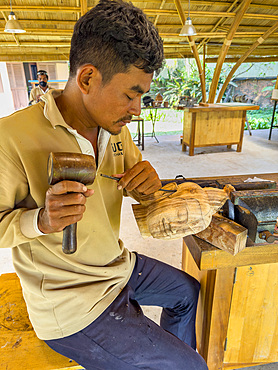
x=112 y=36
x=42 y=72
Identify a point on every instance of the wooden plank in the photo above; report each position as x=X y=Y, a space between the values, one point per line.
x=20 y=347
x=218 y=128
x=222 y=295
x=272 y=176
x=203 y=311
x=237 y=366
x=223 y=107
x=253 y=316
x=243 y=120
x=193 y=134
x=213 y=309
x=225 y=234
x=187 y=124
x=208 y=257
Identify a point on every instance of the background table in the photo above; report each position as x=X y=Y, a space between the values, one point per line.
x=216 y=124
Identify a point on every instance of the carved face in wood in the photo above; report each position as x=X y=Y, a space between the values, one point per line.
x=174 y=215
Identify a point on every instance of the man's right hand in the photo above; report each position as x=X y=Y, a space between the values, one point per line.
x=64 y=205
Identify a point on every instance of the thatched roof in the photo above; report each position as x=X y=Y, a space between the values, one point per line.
x=49 y=25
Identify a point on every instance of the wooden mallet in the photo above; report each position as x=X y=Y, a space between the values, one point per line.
x=74 y=167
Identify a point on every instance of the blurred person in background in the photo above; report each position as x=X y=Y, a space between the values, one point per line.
x=40 y=90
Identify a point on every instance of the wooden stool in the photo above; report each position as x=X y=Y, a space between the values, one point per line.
x=20 y=347
x=139 y=135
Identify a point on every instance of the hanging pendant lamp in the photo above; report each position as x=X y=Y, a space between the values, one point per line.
x=188 y=29
x=12 y=25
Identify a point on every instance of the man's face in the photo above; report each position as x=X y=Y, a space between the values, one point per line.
x=112 y=106
x=42 y=78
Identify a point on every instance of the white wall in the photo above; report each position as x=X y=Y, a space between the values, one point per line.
x=62 y=73
x=6 y=98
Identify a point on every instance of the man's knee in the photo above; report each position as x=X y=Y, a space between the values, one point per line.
x=191 y=288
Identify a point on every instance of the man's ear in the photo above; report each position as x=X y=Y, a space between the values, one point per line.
x=86 y=76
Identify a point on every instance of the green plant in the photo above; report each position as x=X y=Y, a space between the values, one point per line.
x=176 y=81
x=259 y=119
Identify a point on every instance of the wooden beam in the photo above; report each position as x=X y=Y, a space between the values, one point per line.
x=68 y=32
x=157 y=17
x=244 y=57
x=225 y=48
x=38 y=44
x=260 y=59
x=34 y=57
x=194 y=50
x=217 y=35
x=84 y=7
x=43 y=22
x=41 y=8
x=210 y=35
x=155 y=11
x=208 y=14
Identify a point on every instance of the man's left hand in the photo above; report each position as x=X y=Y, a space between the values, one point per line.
x=141 y=177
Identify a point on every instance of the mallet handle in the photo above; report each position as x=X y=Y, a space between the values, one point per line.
x=69 y=244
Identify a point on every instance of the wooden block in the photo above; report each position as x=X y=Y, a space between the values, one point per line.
x=225 y=234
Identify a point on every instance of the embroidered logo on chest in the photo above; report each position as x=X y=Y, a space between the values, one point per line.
x=117 y=148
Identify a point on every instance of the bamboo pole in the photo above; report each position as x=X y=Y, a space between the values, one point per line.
x=225 y=48
x=157 y=17
x=84 y=7
x=243 y=58
x=260 y=59
x=154 y=11
x=194 y=50
x=204 y=62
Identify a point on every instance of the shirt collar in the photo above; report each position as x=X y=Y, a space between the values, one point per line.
x=52 y=113
x=44 y=92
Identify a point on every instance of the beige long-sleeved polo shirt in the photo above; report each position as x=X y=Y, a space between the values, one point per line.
x=64 y=293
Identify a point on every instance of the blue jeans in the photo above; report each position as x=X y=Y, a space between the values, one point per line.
x=123 y=338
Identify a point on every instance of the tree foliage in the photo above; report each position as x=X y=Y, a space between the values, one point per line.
x=180 y=77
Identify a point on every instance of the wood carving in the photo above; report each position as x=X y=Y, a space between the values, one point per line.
x=188 y=210
x=225 y=234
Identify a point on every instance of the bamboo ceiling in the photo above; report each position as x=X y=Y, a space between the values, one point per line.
x=49 y=25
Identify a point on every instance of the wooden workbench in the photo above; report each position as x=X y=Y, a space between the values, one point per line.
x=216 y=124
x=237 y=322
